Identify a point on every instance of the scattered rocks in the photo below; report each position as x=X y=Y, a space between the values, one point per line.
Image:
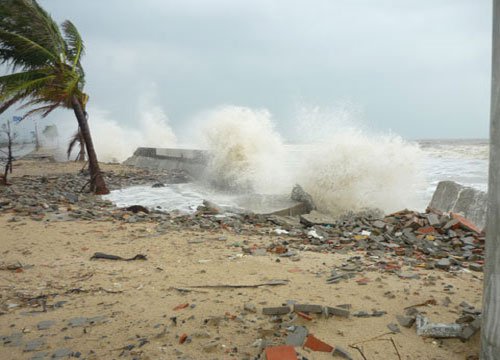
x=44 y=325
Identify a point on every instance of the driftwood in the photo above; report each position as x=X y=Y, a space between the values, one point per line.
x=238 y=286
x=99 y=255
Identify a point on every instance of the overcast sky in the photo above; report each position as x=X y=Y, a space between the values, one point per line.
x=419 y=68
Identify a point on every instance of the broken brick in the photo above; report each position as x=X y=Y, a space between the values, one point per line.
x=426 y=230
x=181 y=306
x=283 y=352
x=316 y=344
x=304 y=316
x=465 y=224
x=183 y=338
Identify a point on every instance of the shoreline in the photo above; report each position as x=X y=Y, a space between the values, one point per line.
x=132 y=303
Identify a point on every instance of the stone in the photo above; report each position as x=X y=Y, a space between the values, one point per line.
x=405 y=321
x=443 y=264
x=78 y=321
x=34 y=345
x=279 y=310
x=15 y=339
x=379 y=224
x=250 y=307
x=62 y=353
x=471 y=329
x=307 y=308
x=394 y=328
x=341 y=352
x=211 y=346
x=44 y=325
x=40 y=356
x=476 y=267
x=298 y=194
x=316 y=218
x=297 y=336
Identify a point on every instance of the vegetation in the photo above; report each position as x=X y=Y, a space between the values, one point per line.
x=46 y=70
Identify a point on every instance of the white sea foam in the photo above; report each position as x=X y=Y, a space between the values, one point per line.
x=349 y=168
x=247 y=154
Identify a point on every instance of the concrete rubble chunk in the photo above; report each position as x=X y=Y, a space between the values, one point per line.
x=279 y=310
x=250 y=307
x=443 y=264
x=307 y=308
x=437 y=330
x=62 y=353
x=338 y=311
x=452 y=197
x=316 y=218
x=471 y=329
x=44 y=325
x=405 y=321
x=297 y=336
x=298 y=194
x=341 y=352
x=34 y=345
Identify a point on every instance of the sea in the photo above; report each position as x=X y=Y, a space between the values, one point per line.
x=388 y=173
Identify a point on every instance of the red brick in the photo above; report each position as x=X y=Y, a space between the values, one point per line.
x=183 y=338
x=316 y=344
x=181 y=306
x=304 y=316
x=283 y=352
x=426 y=230
x=466 y=224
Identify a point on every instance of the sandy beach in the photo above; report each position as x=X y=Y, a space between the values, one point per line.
x=56 y=301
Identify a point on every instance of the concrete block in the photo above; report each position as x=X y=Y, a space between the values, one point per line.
x=279 y=310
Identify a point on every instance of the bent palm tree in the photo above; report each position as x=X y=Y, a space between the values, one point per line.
x=50 y=72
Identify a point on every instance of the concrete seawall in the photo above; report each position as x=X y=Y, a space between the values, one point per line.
x=452 y=197
x=194 y=163
x=190 y=160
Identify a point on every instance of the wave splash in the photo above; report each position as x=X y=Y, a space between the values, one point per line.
x=247 y=154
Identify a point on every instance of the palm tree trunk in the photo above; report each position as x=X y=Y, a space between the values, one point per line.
x=97 y=184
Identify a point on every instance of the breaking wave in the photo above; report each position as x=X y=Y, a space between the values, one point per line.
x=247 y=154
x=349 y=168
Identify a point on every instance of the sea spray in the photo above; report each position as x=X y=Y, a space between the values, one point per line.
x=355 y=170
x=115 y=142
x=247 y=154
x=346 y=167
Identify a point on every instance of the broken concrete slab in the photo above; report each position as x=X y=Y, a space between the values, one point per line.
x=405 y=321
x=342 y=353
x=452 y=197
x=307 y=308
x=437 y=330
x=279 y=310
x=338 y=311
x=316 y=218
x=297 y=337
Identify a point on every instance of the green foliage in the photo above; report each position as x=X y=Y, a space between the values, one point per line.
x=46 y=71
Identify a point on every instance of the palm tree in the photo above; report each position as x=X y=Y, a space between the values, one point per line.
x=46 y=72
